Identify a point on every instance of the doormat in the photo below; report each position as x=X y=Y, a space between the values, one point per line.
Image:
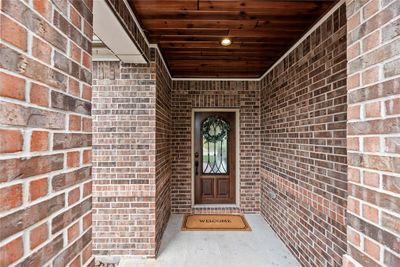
x=215 y=222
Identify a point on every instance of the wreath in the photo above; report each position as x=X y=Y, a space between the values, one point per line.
x=214 y=129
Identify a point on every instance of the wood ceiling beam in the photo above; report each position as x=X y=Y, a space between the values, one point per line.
x=215 y=62
x=222 y=15
x=262 y=58
x=205 y=53
x=230 y=24
x=287 y=39
x=208 y=75
x=215 y=44
x=283 y=7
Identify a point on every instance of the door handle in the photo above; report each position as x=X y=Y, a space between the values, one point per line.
x=196 y=166
x=196 y=163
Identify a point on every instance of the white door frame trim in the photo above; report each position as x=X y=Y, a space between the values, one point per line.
x=237 y=158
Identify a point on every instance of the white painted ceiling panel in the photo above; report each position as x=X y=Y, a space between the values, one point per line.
x=110 y=31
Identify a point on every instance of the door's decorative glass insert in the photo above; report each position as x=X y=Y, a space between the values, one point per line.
x=214 y=131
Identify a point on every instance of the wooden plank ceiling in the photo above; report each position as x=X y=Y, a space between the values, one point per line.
x=189 y=32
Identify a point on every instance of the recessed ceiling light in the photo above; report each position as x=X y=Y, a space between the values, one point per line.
x=226 y=42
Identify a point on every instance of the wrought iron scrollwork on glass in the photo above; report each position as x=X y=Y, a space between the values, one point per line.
x=214 y=131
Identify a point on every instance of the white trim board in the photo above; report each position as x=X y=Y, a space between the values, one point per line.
x=312 y=29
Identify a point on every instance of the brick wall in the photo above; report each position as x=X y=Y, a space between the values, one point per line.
x=373 y=140
x=131 y=169
x=123 y=159
x=303 y=145
x=296 y=133
x=163 y=148
x=45 y=133
x=244 y=96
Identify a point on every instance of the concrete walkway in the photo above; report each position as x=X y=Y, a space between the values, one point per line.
x=258 y=248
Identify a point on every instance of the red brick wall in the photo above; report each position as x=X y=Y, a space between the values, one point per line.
x=45 y=133
x=373 y=139
x=303 y=145
x=245 y=96
x=131 y=168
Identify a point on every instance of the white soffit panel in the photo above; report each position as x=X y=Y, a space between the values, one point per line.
x=103 y=54
x=110 y=31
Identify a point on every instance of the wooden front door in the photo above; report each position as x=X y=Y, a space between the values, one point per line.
x=214 y=157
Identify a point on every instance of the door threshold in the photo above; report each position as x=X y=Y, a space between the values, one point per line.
x=215 y=206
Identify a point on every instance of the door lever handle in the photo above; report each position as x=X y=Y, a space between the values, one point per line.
x=196 y=166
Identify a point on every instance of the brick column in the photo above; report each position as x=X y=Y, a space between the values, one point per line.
x=131 y=158
x=373 y=140
x=45 y=133
x=124 y=159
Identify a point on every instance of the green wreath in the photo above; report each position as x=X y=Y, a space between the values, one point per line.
x=210 y=126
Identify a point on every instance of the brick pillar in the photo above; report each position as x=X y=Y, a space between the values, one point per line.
x=45 y=133
x=131 y=158
x=124 y=196
x=373 y=140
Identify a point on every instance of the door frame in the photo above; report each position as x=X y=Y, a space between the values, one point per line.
x=237 y=158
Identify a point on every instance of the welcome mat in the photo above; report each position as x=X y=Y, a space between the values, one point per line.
x=215 y=222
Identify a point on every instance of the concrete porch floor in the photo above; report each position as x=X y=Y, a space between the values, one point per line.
x=260 y=247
